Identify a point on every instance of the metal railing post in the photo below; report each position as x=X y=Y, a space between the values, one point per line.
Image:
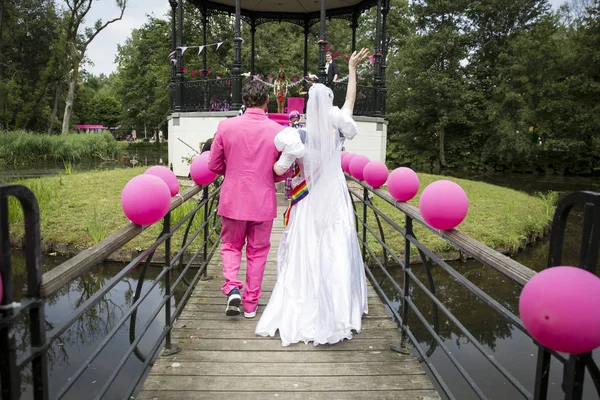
x=403 y=347
x=364 y=231
x=169 y=349
x=206 y=227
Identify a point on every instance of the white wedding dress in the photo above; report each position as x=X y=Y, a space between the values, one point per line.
x=320 y=295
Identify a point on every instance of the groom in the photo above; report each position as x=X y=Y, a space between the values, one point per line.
x=243 y=151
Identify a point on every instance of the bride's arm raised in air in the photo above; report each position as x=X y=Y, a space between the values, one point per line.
x=355 y=60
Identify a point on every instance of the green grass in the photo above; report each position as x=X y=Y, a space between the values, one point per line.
x=83 y=208
x=21 y=147
x=501 y=218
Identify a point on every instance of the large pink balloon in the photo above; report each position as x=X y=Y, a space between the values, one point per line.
x=443 y=204
x=559 y=308
x=375 y=173
x=346 y=161
x=357 y=166
x=166 y=175
x=403 y=184
x=199 y=171
x=145 y=199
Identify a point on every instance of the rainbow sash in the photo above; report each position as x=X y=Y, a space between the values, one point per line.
x=298 y=193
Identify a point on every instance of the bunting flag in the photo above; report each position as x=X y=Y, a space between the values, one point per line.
x=182 y=48
x=200 y=48
x=219 y=45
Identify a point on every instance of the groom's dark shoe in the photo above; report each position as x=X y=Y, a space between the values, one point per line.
x=233 y=303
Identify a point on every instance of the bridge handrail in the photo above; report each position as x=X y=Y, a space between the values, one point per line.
x=480 y=252
x=35 y=355
x=76 y=266
x=574 y=366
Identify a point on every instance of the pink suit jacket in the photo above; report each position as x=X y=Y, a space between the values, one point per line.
x=243 y=151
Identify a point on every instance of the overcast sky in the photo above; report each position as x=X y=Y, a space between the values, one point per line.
x=104 y=47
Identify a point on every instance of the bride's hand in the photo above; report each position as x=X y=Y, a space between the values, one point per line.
x=357 y=58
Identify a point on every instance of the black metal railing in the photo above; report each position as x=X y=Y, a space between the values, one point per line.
x=215 y=95
x=365 y=99
x=207 y=95
x=14 y=362
x=379 y=271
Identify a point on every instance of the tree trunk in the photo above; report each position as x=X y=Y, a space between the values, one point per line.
x=54 y=108
x=72 y=81
x=441 y=135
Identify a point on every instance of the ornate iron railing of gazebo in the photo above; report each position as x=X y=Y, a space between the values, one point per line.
x=215 y=95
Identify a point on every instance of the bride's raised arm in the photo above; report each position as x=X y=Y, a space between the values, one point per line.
x=354 y=61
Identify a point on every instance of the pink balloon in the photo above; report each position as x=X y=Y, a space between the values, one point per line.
x=166 y=175
x=403 y=184
x=205 y=154
x=145 y=199
x=559 y=308
x=443 y=204
x=375 y=173
x=357 y=166
x=346 y=161
x=201 y=175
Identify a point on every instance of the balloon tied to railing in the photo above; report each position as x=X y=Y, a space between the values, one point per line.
x=559 y=308
x=443 y=204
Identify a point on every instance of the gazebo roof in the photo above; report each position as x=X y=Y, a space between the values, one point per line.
x=277 y=10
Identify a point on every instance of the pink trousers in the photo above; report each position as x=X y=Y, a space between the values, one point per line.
x=234 y=234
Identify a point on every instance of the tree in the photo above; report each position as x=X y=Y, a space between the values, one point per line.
x=107 y=111
x=142 y=80
x=429 y=88
x=29 y=30
x=76 y=46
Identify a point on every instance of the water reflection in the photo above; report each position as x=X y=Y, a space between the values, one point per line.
x=138 y=158
x=76 y=344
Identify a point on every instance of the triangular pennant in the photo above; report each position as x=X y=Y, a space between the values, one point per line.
x=200 y=48
x=173 y=61
x=171 y=54
x=207 y=72
x=270 y=80
x=193 y=73
x=372 y=58
x=327 y=48
x=219 y=45
x=295 y=80
x=218 y=77
x=182 y=48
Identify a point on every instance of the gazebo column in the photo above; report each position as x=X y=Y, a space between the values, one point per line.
x=377 y=81
x=306 y=31
x=179 y=67
x=322 y=43
x=205 y=96
x=384 y=49
x=253 y=55
x=236 y=70
x=353 y=26
x=173 y=4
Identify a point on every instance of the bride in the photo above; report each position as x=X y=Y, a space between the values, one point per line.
x=320 y=294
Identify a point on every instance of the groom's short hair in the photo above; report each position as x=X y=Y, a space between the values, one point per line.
x=255 y=94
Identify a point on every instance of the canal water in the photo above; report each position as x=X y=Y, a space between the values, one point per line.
x=514 y=350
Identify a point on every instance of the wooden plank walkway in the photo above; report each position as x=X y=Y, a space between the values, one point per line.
x=223 y=359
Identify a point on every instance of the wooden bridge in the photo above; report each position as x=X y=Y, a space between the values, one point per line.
x=222 y=358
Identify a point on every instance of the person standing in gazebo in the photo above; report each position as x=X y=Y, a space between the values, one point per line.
x=281 y=89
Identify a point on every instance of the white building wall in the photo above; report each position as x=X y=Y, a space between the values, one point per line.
x=197 y=127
